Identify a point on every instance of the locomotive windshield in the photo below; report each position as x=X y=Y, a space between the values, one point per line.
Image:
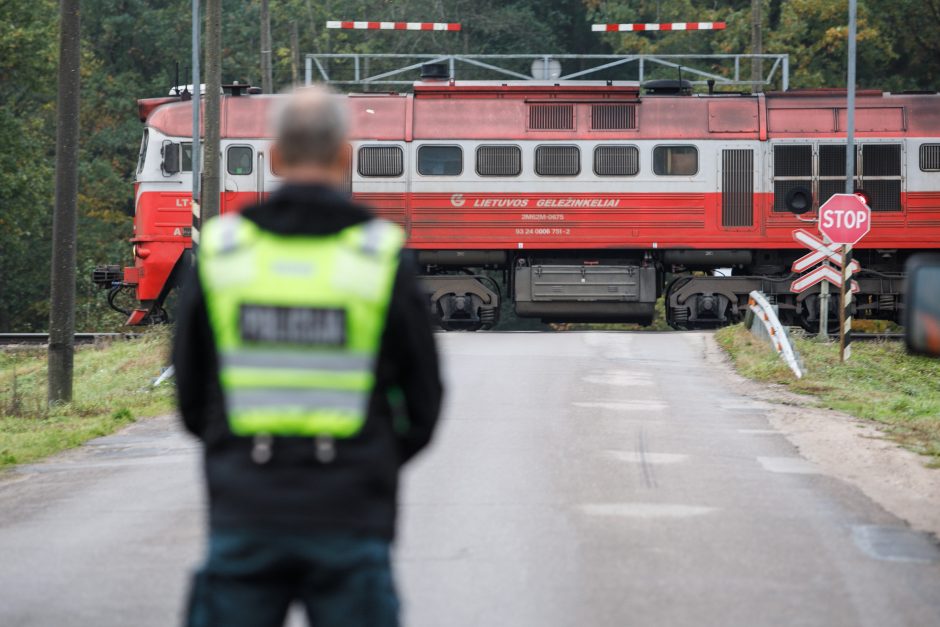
x=143 y=151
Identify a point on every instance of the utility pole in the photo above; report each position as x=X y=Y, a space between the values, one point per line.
x=62 y=301
x=757 y=47
x=197 y=100
x=266 y=81
x=850 y=106
x=294 y=55
x=211 y=172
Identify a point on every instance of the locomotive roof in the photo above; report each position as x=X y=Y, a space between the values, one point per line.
x=499 y=110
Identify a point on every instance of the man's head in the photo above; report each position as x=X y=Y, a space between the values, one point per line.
x=312 y=133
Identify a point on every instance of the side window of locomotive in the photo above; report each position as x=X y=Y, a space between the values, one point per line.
x=440 y=160
x=499 y=161
x=616 y=161
x=238 y=160
x=793 y=167
x=675 y=160
x=881 y=175
x=142 y=157
x=832 y=171
x=557 y=160
x=186 y=162
x=385 y=161
x=930 y=158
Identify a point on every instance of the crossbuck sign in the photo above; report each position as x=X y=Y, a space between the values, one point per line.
x=820 y=251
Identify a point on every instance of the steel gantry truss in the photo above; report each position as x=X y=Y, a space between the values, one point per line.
x=399 y=69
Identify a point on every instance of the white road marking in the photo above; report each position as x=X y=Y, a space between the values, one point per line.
x=634 y=457
x=645 y=510
x=790 y=465
x=625 y=378
x=638 y=405
x=755 y=405
x=759 y=431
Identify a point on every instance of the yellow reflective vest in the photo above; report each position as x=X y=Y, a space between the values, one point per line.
x=297 y=322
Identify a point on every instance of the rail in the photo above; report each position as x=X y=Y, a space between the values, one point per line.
x=8 y=339
x=760 y=309
x=393 y=69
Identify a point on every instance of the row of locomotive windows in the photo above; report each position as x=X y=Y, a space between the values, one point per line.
x=506 y=160
x=821 y=168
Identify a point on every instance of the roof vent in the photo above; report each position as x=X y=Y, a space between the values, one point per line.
x=668 y=87
x=435 y=72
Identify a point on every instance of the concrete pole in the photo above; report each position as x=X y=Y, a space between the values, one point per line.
x=266 y=82
x=757 y=47
x=845 y=302
x=824 y=305
x=62 y=302
x=210 y=185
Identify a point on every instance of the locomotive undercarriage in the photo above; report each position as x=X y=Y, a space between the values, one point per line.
x=704 y=300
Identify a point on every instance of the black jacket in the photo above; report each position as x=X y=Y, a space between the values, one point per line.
x=357 y=490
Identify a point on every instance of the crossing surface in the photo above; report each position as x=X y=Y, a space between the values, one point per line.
x=578 y=479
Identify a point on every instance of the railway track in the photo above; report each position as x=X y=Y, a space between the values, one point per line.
x=15 y=339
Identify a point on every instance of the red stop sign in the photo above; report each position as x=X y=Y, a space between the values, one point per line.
x=844 y=219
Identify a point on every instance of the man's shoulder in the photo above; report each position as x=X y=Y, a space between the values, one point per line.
x=307 y=210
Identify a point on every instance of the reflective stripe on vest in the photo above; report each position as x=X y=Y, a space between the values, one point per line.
x=297 y=322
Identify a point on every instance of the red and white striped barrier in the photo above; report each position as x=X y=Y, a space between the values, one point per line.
x=622 y=28
x=393 y=25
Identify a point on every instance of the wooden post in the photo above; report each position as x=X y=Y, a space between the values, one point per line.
x=209 y=207
x=62 y=302
x=757 y=46
x=266 y=80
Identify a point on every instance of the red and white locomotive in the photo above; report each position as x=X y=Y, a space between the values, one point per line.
x=586 y=196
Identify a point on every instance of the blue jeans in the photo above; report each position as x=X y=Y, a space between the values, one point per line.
x=252 y=576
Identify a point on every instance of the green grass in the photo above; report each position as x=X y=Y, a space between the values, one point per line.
x=880 y=382
x=112 y=387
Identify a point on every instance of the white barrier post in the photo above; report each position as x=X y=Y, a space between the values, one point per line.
x=779 y=337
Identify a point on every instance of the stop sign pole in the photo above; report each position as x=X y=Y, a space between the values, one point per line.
x=845 y=219
x=845 y=302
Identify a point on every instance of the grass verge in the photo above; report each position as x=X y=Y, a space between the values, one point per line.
x=112 y=387
x=881 y=382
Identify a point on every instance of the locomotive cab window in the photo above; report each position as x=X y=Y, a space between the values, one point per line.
x=143 y=151
x=675 y=160
x=386 y=161
x=186 y=160
x=440 y=160
x=239 y=160
x=616 y=161
x=557 y=161
x=499 y=161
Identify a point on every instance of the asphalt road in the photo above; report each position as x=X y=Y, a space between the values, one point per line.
x=578 y=479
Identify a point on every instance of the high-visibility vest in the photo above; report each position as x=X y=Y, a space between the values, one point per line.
x=297 y=322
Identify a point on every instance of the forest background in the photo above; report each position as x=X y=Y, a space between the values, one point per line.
x=130 y=48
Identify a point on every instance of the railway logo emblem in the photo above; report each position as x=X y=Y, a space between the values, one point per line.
x=457 y=200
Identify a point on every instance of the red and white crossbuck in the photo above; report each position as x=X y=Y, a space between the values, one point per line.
x=820 y=251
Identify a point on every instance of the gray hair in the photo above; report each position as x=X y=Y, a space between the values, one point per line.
x=312 y=127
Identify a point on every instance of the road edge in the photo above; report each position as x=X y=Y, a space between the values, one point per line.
x=849 y=448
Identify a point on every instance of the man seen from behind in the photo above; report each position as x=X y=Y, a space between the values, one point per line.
x=306 y=365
